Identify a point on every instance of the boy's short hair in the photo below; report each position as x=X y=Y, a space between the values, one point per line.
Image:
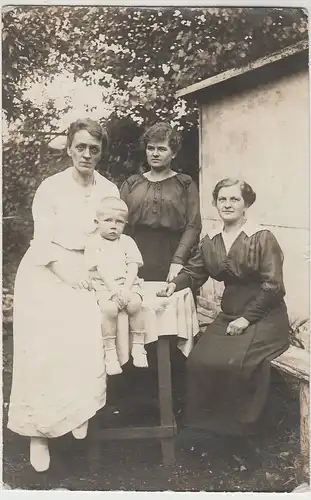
x=111 y=202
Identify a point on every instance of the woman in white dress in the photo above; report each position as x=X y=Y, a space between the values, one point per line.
x=59 y=379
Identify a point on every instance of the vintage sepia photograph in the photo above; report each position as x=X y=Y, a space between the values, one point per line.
x=155 y=243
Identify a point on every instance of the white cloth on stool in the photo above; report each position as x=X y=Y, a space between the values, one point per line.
x=175 y=315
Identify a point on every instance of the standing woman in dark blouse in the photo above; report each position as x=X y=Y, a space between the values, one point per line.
x=228 y=370
x=164 y=209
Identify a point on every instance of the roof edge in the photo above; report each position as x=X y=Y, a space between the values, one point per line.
x=231 y=73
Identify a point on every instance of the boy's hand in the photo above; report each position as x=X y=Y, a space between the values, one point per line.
x=121 y=296
x=118 y=300
x=125 y=295
x=115 y=296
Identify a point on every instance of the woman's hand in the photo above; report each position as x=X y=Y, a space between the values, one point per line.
x=83 y=284
x=74 y=277
x=167 y=291
x=237 y=326
x=173 y=271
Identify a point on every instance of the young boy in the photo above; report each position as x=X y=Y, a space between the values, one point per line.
x=113 y=260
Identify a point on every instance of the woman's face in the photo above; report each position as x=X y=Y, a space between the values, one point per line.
x=230 y=204
x=85 y=151
x=159 y=155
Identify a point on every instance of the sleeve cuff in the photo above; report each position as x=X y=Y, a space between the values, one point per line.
x=250 y=317
x=182 y=281
x=178 y=260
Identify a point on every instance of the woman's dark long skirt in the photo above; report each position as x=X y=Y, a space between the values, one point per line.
x=228 y=377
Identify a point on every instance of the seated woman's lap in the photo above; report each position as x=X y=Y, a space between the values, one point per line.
x=64 y=324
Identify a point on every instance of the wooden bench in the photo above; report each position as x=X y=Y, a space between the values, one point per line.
x=296 y=363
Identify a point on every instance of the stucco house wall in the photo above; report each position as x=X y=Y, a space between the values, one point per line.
x=262 y=136
x=257 y=129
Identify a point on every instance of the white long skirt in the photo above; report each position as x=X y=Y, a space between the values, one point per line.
x=59 y=378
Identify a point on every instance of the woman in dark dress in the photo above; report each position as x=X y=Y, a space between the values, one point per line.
x=228 y=370
x=164 y=210
x=164 y=220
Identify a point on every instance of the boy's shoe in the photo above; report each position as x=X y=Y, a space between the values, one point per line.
x=113 y=366
x=139 y=356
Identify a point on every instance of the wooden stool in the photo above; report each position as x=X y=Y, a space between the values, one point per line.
x=167 y=429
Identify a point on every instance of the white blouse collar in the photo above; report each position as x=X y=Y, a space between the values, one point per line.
x=69 y=172
x=249 y=228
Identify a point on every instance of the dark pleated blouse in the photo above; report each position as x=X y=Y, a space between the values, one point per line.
x=172 y=204
x=253 y=259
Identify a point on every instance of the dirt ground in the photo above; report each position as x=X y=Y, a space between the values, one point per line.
x=268 y=462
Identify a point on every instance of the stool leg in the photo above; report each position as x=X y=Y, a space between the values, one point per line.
x=165 y=398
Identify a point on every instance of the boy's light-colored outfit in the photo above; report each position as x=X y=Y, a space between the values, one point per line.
x=111 y=258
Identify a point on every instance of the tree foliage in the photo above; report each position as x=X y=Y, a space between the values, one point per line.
x=142 y=56
x=167 y=47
